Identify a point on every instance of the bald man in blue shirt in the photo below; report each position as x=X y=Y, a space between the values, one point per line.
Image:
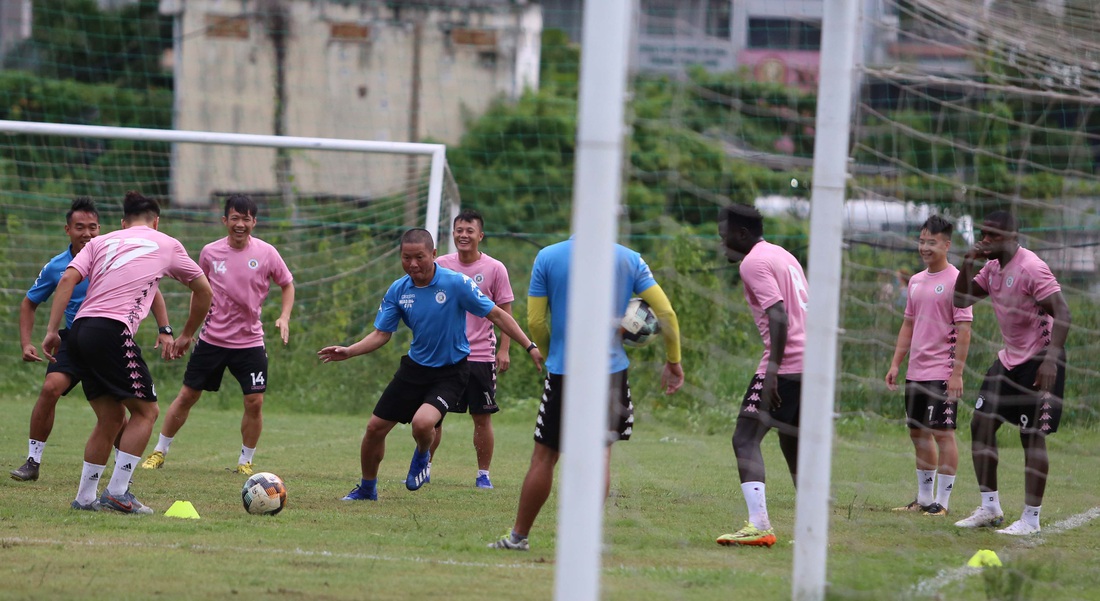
x=432 y=301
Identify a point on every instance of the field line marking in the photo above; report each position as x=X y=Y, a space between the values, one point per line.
x=16 y=540
x=929 y=586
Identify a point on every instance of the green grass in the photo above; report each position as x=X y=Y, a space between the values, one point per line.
x=673 y=491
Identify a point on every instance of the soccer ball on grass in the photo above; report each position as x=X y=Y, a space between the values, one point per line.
x=639 y=325
x=264 y=494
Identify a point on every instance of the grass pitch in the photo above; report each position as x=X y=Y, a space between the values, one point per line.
x=673 y=492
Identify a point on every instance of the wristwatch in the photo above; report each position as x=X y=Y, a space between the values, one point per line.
x=531 y=346
x=165 y=330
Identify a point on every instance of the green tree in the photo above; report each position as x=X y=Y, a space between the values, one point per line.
x=74 y=39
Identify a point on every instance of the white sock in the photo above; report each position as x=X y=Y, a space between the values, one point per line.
x=479 y=472
x=944 y=485
x=992 y=500
x=124 y=470
x=34 y=449
x=246 y=455
x=757 y=503
x=89 y=483
x=926 y=482
x=163 y=443
x=1031 y=515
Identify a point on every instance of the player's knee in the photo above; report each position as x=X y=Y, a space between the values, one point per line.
x=253 y=404
x=54 y=386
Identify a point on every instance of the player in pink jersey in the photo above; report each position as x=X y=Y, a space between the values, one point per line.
x=82 y=224
x=936 y=336
x=486 y=358
x=1026 y=383
x=124 y=269
x=240 y=268
x=775 y=289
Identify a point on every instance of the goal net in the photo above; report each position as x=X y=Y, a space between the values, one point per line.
x=335 y=226
x=962 y=107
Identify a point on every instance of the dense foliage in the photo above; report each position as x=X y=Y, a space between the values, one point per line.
x=77 y=40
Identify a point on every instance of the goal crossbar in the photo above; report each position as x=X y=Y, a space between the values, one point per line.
x=437 y=152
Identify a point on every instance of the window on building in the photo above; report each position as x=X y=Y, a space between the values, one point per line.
x=784 y=34
x=659 y=17
x=718 y=18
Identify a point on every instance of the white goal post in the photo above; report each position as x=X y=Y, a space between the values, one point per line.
x=437 y=152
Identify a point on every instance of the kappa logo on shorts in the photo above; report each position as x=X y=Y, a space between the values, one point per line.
x=440 y=296
x=978 y=403
x=442 y=402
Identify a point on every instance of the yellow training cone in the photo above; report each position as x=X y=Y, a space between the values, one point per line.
x=984 y=558
x=184 y=509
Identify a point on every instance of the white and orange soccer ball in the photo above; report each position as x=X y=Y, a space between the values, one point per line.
x=264 y=494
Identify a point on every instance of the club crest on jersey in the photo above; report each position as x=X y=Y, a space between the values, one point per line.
x=939 y=288
x=479 y=278
x=440 y=296
x=1009 y=281
x=253 y=264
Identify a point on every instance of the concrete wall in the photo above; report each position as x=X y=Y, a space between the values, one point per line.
x=360 y=70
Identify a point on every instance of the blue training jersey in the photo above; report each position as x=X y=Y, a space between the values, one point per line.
x=47 y=282
x=436 y=314
x=550 y=278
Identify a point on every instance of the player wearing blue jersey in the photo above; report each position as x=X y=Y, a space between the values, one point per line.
x=549 y=289
x=81 y=225
x=433 y=302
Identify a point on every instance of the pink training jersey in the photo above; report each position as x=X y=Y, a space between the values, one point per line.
x=1016 y=290
x=932 y=309
x=491 y=276
x=240 y=279
x=772 y=275
x=124 y=269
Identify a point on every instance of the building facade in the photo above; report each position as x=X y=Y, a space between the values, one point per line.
x=371 y=70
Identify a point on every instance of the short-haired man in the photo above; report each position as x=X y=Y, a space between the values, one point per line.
x=776 y=291
x=240 y=268
x=486 y=358
x=549 y=292
x=124 y=269
x=432 y=301
x=81 y=225
x=936 y=336
x=1026 y=382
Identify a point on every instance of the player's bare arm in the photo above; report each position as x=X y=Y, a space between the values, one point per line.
x=283 y=323
x=370 y=343
x=201 y=295
x=504 y=361
x=508 y=325
x=962 y=349
x=26 y=328
x=967 y=291
x=1055 y=306
x=160 y=314
x=61 y=297
x=777 y=332
x=901 y=348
